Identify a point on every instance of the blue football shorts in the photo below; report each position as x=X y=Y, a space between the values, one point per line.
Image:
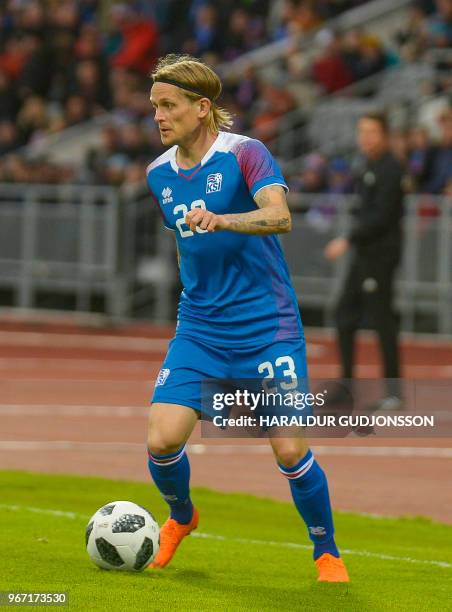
x=189 y=363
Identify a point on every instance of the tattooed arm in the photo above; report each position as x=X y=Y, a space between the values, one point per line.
x=272 y=216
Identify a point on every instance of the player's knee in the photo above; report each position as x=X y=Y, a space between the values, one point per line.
x=161 y=444
x=288 y=456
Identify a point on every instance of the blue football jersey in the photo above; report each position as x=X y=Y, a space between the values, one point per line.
x=236 y=287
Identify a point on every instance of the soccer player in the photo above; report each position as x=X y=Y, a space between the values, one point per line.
x=223 y=195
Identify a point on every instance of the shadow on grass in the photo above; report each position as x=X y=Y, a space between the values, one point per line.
x=308 y=596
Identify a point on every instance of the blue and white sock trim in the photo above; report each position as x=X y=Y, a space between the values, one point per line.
x=167 y=459
x=299 y=470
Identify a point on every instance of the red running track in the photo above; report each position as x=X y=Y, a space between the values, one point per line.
x=74 y=400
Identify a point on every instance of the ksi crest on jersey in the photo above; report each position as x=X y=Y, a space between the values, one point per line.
x=214 y=182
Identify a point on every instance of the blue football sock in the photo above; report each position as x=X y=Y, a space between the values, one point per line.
x=171 y=474
x=309 y=488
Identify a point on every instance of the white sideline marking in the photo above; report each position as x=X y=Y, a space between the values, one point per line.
x=246 y=541
x=384 y=451
x=16 y=508
x=68 y=445
x=324 y=371
x=230 y=449
x=432 y=372
x=14 y=363
x=360 y=451
x=57 y=410
x=321 y=337
x=315 y=349
x=84 y=341
x=347 y=551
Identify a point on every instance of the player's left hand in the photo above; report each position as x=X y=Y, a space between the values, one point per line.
x=205 y=220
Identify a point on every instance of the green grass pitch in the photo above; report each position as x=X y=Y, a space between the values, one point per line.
x=249 y=554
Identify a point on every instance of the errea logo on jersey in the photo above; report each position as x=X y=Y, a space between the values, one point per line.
x=214 y=182
x=166 y=193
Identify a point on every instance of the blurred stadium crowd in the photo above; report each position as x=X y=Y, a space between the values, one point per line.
x=64 y=62
x=427 y=159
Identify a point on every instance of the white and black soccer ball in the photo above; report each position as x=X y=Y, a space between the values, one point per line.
x=122 y=536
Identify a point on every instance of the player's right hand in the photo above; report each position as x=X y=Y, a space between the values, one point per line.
x=205 y=220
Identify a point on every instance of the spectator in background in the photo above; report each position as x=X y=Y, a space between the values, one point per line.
x=8 y=98
x=9 y=137
x=137 y=39
x=31 y=19
x=313 y=176
x=55 y=51
x=302 y=17
x=241 y=35
x=207 y=36
x=351 y=53
x=330 y=70
x=247 y=89
x=412 y=38
x=272 y=105
x=134 y=173
x=420 y=156
x=340 y=178
x=64 y=16
x=428 y=7
x=90 y=83
x=174 y=31
x=399 y=145
x=32 y=119
x=97 y=157
x=439 y=29
x=125 y=149
x=88 y=45
x=76 y=110
x=114 y=171
x=320 y=177
x=440 y=170
x=127 y=94
x=447 y=191
x=332 y=8
x=13 y=56
x=373 y=56
x=133 y=143
x=89 y=10
x=363 y=54
x=61 y=49
x=36 y=73
x=14 y=169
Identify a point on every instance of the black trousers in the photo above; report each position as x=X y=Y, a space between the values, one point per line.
x=366 y=299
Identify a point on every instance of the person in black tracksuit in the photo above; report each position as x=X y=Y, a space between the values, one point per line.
x=375 y=241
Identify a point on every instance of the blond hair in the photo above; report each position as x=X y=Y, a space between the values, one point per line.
x=197 y=76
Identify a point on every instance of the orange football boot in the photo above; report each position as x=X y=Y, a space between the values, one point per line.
x=331 y=569
x=171 y=535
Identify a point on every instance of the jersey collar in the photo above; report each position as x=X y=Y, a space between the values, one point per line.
x=212 y=150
